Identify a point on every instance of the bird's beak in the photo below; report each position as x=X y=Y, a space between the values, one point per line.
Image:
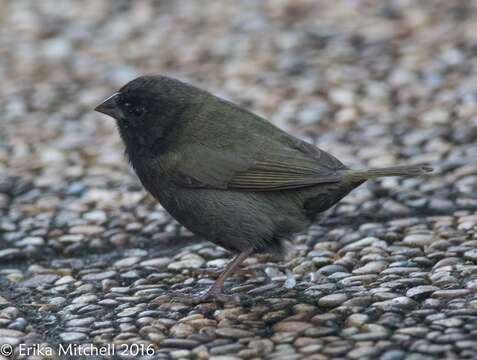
x=110 y=107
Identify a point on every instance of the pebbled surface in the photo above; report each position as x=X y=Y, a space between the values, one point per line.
x=86 y=257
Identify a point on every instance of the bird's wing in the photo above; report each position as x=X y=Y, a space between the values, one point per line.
x=293 y=164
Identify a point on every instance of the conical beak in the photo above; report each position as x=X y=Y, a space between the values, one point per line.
x=110 y=107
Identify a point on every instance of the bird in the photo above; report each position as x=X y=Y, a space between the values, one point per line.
x=225 y=173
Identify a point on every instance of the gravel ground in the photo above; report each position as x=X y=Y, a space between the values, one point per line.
x=86 y=257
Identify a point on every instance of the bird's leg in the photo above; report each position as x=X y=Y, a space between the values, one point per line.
x=231 y=267
x=215 y=291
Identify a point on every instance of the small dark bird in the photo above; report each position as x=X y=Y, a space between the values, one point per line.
x=225 y=173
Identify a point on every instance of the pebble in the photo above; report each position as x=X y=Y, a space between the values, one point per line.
x=471 y=255
x=18 y=324
x=96 y=216
x=10 y=333
x=72 y=336
x=393 y=355
x=181 y=330
x=64 y=280
x=226 y=349
x=357 y=319
x=189 y=261
x=13 y=341
x=11 y=254
x=233 y=333
x=179 y=343
x=31 y=240
x=263 y=346
x=332 y=300
x=157 y=262
x=86 y=229
x=420 y=292
x=360 y=244
x=452 y=322
x=88 y=298
x=418 y=240
x=362 y=352
x=373 y=267
x=372 y=332
x=291 y=326
x=39 y=280
x=127 y=262
x=80 y=322
x=57 y=301
x=180 y=354
x=99 y=276
x=401 y=303
x=451 y=294
x=331 y=269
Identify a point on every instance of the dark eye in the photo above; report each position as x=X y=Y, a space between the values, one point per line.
x=134 y=110
x=137 y=111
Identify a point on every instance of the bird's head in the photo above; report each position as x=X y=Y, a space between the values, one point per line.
x=149 y=107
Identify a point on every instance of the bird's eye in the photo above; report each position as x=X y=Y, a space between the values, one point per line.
x=133 y=108
x=138 y=111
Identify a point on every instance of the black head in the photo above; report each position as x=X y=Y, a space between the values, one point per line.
x=148 y=108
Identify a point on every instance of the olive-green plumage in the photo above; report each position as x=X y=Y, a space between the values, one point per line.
x=224 y=172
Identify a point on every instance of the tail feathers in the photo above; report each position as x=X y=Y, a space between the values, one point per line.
x=405 y=170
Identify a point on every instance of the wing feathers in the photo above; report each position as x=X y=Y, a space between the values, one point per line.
x=259 y=181
x=286 y=168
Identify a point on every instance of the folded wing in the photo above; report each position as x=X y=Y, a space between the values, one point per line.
x=294 y=164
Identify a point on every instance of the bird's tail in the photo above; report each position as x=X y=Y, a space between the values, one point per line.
x=405 y=170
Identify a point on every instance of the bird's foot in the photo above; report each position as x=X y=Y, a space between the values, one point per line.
x=209 y=296
x=215 y=291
